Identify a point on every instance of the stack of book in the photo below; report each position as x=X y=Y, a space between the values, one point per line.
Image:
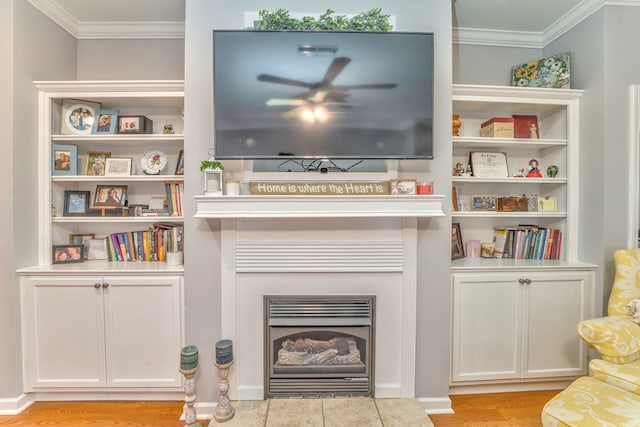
x=151 y=244
x=528 y=242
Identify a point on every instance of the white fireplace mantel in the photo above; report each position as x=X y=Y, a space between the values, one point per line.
x=297 y=206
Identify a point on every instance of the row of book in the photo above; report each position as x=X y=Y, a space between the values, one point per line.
x=528 y=242
x=175 y=194
x=151 y=244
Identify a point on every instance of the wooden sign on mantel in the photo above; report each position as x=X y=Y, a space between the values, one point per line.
x=320 y=188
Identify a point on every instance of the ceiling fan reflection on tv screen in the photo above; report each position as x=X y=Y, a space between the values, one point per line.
x=312 y=104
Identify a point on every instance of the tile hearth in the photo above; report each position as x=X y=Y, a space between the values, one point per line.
x=330 y=412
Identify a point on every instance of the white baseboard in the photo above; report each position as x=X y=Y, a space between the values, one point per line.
x=13 y=406
x=436 y=405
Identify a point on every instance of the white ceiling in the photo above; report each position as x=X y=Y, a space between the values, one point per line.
x=488 y=22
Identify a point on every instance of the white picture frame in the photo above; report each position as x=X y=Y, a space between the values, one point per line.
x=77 y=116
x=117 y=166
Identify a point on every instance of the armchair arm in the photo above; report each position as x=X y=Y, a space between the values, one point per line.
x=616 y=338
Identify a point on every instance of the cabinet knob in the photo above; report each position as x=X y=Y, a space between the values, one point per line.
x=96 y=285
x=524 y=281
x=105 y=285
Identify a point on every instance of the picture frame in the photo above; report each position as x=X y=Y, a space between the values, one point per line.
x=78 y=116
x=97 y=249
x=105 y=122
x=118 y=166
x=66 y=254
x=457 y=247
x=76 y=203
x=489 y=164
x=403 y=186
x=180 y=164
x=113 y=196
x=547 y=204
x=484 y=203
x=551 y=72
x=96 y=162
x=135 y=124
x=84 y=240
x=64 y=159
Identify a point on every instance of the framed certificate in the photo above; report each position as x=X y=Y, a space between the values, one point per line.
x=489 y=165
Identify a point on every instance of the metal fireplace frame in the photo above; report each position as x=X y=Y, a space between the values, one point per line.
x=347 y=315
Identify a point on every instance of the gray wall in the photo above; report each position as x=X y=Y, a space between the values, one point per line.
x=488 y=65
x=202 y=237
x=131 y=59
x=34 y=49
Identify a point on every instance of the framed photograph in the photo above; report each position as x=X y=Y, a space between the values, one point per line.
x=106 y=122
x=135 y=124
x=65 y=254
x=489 y=165
x=118 y=166
x=403 y=186
x=110 y=196
x=76 y=203
x=547 y=204
x=483 y=203
x=97 y=249
x=64 y=159
x=180 y=164
x=488 y=250
x=78 y=116
x=82 y=239
x=457 y=248
x=96 y=162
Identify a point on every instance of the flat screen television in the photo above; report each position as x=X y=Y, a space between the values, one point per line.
x=322 y=95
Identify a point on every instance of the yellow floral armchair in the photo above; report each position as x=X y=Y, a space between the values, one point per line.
x=616 y=337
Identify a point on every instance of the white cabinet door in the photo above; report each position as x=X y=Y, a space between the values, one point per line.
x=103 y=332
x=143 y=331
x=555 y=303
x=64 y=332
x=487 y=325
x=519 y=325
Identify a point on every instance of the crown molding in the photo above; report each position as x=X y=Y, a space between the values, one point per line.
x=108 y=30
x=502 y=38
x=58 y=15
x=489 y=37
x=131 y=30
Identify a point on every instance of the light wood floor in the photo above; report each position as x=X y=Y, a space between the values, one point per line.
x=482 y=410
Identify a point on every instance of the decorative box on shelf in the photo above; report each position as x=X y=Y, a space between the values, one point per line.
x=497 y=127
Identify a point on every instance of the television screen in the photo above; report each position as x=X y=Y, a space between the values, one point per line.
x=333 y=95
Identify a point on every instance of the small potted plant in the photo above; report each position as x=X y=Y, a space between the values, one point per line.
x=212 y=171
x=210 y=164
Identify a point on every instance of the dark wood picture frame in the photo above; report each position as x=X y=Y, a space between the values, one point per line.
x=67 y=254
x=76 y=203
x=96 y=161
x=180 y=164
x=113 y=196
x=457 y=247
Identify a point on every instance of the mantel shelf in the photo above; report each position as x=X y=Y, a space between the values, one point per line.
x=318 y=206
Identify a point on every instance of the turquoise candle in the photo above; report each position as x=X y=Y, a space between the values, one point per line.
x=224 y=352
x=189 y=358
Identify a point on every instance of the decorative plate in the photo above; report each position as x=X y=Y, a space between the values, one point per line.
x=153 y=162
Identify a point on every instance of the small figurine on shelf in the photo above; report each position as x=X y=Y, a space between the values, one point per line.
x=534 y=172
x=519 y=173
x=168 y=129
x=456 y=123
x=458 y=170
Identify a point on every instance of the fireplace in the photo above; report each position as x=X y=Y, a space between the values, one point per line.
x=319 y=345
